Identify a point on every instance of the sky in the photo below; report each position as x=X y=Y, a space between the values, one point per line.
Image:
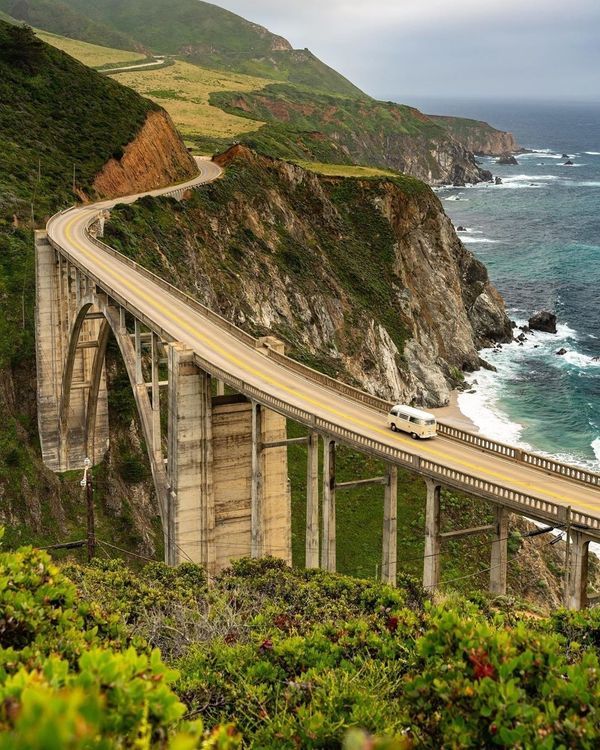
x=402 y=49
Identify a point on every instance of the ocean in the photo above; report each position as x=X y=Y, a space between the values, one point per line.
x=539 y=235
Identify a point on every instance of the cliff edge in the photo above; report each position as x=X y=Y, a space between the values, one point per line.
x=155 y=158
x=363 y=278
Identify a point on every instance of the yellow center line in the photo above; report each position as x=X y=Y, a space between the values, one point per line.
x=217 y=348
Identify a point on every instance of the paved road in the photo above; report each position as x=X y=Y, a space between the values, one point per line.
x=227 y=352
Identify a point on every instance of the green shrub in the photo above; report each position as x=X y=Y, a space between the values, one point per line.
x=476 y=684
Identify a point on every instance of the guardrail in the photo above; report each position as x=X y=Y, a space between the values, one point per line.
x=521 y=502
x=548 y=465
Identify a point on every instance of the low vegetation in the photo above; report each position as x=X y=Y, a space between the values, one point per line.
x=92 y=55
x=101 y=657
x=184 y=91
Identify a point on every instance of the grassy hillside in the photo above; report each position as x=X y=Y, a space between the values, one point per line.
x=184 y=90
x=92 y=55
x=207 y=34
x=58 y=17
x=308 y=126
x=56 y=114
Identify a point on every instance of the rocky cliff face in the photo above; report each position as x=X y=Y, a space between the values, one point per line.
x=478 y=137
x=363 y=278
x=155 y=158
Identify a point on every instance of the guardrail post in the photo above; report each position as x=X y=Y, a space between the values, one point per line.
x=389 y=566
x=576 y=578
x=256 y=496
x=499 y=559
x=328 y=543
x=431 y=564
x=312 y=502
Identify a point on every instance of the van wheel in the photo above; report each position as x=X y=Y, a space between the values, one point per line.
x=414 y=436
x=393 y=427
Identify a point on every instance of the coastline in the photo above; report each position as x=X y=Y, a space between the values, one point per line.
x=454 y=416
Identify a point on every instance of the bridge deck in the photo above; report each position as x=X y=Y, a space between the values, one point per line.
x=224 y=350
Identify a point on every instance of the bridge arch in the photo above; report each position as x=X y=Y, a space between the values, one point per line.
x=90 y=330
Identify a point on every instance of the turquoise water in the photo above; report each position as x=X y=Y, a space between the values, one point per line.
x=539 y=235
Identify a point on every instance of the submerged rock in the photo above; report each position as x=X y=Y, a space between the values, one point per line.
x=561 y=352
x=498 y=181
x=543 y=321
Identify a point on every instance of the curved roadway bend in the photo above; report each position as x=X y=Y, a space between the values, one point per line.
x=222 y=349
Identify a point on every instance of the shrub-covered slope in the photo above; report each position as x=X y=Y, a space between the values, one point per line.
x=477 y=136
x=55 y=115
x=279 y=659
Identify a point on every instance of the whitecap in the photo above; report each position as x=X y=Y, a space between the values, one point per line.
x=540 y=153
x=479 y=240
x=592 y=153
x=481 y=408
x=577 y=359
x=596 y=447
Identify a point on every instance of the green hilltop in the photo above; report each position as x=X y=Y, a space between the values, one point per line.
x=204 y=33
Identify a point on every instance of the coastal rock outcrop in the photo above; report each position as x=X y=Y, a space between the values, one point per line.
x=157 y=157
x=363 y=279
x=507 y=160
x=479 y=137
x=543 y=321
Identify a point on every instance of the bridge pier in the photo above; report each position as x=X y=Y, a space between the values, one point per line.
x=256 y=491
x=499 y=557
x=329 y=539
x=389 y=564
x=433 y=539
x=190 y=529
x=312 y=502
x=577 y=570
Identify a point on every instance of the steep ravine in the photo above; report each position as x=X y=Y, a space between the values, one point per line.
x=364 y=278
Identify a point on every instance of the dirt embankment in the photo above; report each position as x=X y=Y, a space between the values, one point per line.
x=156 y=158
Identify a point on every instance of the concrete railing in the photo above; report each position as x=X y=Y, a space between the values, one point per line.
x=524 y=503
x=548 y=465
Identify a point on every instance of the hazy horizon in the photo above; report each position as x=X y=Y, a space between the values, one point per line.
x=544 y=51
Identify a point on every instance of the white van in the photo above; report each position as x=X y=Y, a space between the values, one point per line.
x=419 y=424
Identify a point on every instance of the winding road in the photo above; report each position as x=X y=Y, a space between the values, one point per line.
x=224 y=350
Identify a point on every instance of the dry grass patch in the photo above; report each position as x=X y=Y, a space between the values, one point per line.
x=91 y=55
x=345 y=170
x=184 y=89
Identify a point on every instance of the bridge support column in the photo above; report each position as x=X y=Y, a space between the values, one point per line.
x=389 y=567
x=312 y=502
x=155 y=356
x=431 y=566
x=190 y=528
x=329 y=540
x=499 y=558
x=577 y=571
x=256 y=490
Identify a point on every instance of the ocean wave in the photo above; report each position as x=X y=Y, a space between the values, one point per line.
x=596 y=447
x=592 y=153
x=582 y=361
x=456 y=198
x=584 y=183
x=479 y=240
x=481 y=408
x=530 y=178
x=544 y=153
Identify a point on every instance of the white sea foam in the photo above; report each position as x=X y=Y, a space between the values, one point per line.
x=596 y=447
x=481 y=408
x=582 y=361
x=540 y=153
x=592 y=153
x=478 y=240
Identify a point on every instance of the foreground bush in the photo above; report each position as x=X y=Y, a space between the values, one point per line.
x=68 y=678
